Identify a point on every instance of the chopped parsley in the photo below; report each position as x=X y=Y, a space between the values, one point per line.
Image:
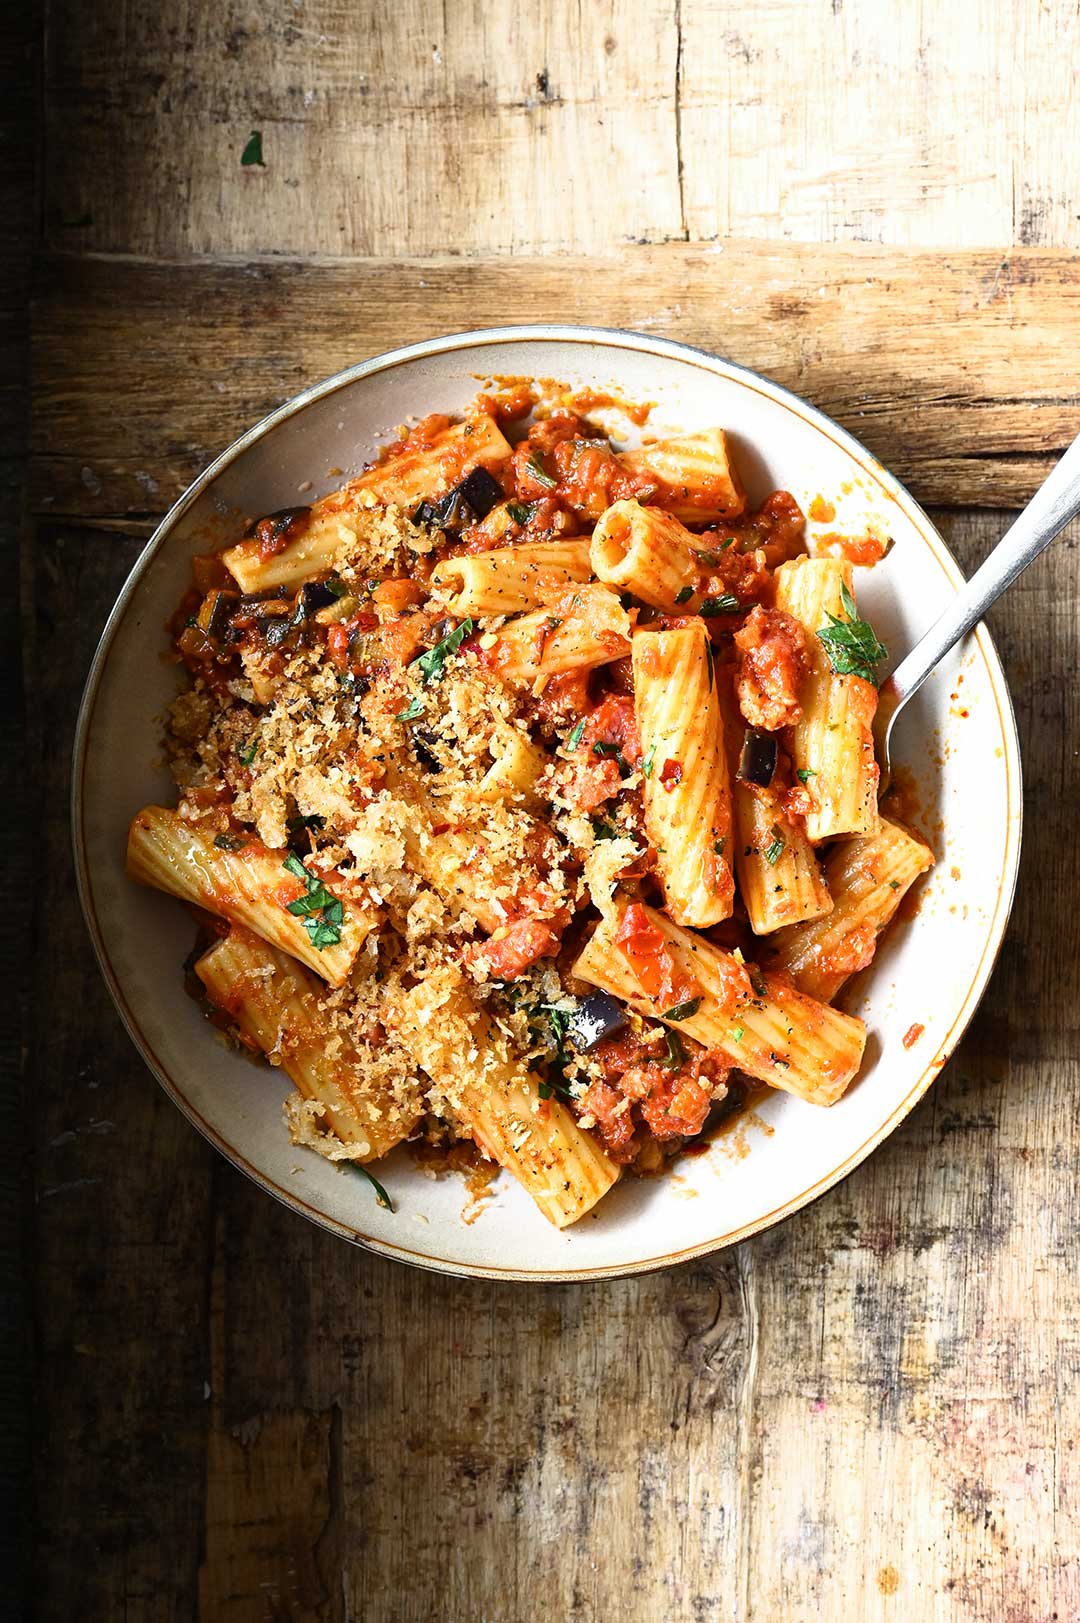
x=724 y=604
x=432 y=665
x=738 y=1033
x=246 y=755
x=414 y=708
x=894 y=884
x=676 y=1050
x=320 y=912
x=611 y=750
x=298 y=822
x=647 y=763
x=381 y=1197
x=549 y=1021
x=683 y=1011
x=336 y=586
x=252 y=152
x=852 y=645
x=684 y=594
x=575 y=735
x=604 y=831
x=775 y=850
x=521 y=512
x=805 y=773
x=540 y=473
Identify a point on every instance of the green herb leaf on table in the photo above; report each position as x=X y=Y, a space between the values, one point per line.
x=852 y=644
x=252 y=152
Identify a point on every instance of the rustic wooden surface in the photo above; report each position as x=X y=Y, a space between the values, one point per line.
x=867 y=1414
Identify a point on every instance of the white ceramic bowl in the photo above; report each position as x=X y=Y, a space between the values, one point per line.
x=931 y=970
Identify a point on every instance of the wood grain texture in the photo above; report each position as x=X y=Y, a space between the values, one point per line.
x=868 y=1414
x=889 y=122
x=133 y=395
x=123 y=1219
x=419 y=129
x=410 y=128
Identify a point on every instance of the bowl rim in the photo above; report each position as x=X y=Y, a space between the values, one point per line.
x=614 y=338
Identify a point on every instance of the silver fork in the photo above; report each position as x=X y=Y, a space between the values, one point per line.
x=1056 y=501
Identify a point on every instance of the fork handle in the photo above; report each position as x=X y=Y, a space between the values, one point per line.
x=1056 y=501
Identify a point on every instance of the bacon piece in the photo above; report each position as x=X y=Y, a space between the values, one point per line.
x=772 y=663
x=614 y=1121
x=597 y=777
x=514 y=948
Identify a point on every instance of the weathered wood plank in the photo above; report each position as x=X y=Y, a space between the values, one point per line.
x=122 y=1215
x=890 y=122
x=385 y=129
x=499 y=1442
x=869 y=1407
x=919 y=1327
x=143 y=371
x=411 y=129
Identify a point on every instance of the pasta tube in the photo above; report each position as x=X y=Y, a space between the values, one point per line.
x=832 y=745
x=322 y=536
x=696 y=478
x=249 y=886
x=685 y=772
x=647 y=552
x=774 y=1032
x=868 y=877
x=497 y=1099
x=512 y=580
x=275 y=1004
x=780 y=878
x=586 y=627
x=516 y=766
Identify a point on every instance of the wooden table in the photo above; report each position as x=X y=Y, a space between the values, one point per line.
x=868 y=1414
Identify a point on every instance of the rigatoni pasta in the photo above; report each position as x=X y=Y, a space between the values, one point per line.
x=647 y=552
x=759 y=1022
x=527 y=810
x=467 y=1057
x=832 y=745
x=684 y=766
x=512 y=580
x=275 y=1005
x=240 y=879
x=585 y=627
x=868 y=878
x=778 y=870
x=692 y=476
